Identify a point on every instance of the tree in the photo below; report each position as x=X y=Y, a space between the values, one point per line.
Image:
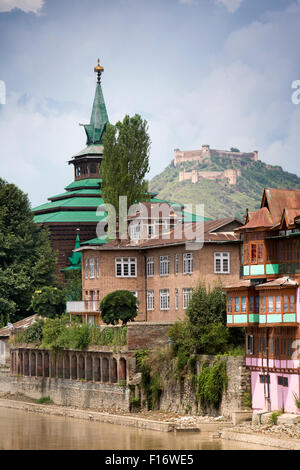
x=125 y=161
x=26 y=258
x=48 y=301
x=234 y=149
x=120 y=305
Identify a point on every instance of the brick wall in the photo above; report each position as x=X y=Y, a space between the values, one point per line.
x=203 y=270
x=145 y=335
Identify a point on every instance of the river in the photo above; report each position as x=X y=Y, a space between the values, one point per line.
x=25 y=430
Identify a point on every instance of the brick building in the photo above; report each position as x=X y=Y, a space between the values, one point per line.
x=161 y=270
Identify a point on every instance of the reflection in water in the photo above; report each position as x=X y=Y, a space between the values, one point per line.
x=22 y=430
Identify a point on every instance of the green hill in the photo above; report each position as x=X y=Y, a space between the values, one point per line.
x=219 y=197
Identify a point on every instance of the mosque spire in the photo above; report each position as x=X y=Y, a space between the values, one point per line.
x=99 y=118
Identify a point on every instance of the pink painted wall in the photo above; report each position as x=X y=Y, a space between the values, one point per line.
x=280 y=396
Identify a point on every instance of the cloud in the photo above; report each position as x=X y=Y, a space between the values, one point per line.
x=39 y=138
x=190 y=2
x=25 y=5
x=231 y=5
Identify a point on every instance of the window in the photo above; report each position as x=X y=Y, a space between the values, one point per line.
x=86 y=268
x=249 y=344
x=186 y=297
x=257 y=303
x=222 y=263
x=92 y=268
x=150 y=299
x=253 y=254
x=246 y=254
x=187 y=264
x=260 y=251
x=176 y=264
x=286 y=303
x=277 y=303
x=164 y=299
x=270 y=303
x=264 y=379
x=164 y=265
x=135 y=231
x=283 y=381
x=151 y=230
x=150 y=266
x=125 y=267
x=244 y=304
x=236 y=304
x=251 y=303
x=262 y=304
x=292 y=303
x=97 y=268
x=176 y=299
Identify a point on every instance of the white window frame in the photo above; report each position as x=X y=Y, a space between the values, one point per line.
x=164 y=265
x=187 y=263
x=92 y=268
x=176 y=264
x=86 y=268
x=150 y=266
x=221 y=256
x=150 y=299
x=187 y=293
x=97 y=268
x=176 y=299
x=135 y=231
x=164 y=299
x=125 y=261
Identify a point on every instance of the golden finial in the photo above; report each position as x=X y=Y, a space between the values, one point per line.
x=99 y=69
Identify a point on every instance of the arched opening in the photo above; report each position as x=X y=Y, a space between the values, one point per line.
x=114 y=370
x=97 y=369
x=66 y=366
x=60 y=366
x=74 y=367
x=105 y=370
x=122 y=369
x=81 y=367
x=46 y=364
x=33 y=364
x=39 y=369
x=89 y=368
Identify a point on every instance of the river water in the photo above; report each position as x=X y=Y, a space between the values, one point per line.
x=24 y=430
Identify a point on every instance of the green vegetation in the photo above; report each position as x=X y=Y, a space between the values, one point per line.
x=231 y=200
x=27 y=262
x=48 y=301
x=73 y=284
x=120 y=305
x=126 y=154
x=149 y=364
x=58 y=333
x=247 y=399
x=212 y=381
x=204 y=330
x=44 y=400
x=274 y=417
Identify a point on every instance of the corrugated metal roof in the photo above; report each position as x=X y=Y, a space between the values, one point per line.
x=68 y=216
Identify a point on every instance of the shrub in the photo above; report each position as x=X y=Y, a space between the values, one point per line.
x=120 y=305
x=211 y=383
x=48 y=301
x=32 y=334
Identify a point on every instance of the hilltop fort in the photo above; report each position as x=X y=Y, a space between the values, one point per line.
x=204 y=156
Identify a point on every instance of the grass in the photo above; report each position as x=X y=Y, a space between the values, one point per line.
x=44 y=400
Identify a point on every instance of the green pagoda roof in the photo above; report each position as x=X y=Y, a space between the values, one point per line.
x=90 y=202
x=68 y=216
x=99 y=119
x=86 y=183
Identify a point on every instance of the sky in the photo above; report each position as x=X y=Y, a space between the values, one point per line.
x=217 y=72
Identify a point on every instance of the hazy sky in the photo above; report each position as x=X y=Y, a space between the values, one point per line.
x=215 y=72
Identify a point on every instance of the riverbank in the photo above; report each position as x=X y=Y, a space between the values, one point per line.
x=270 y=436
x=150 y=420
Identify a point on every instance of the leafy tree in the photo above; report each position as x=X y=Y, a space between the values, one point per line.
x=120 y=305
x=125 y=157
x=73 y=284
x=26 y=258
x=234 y=149
x=48 y=301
